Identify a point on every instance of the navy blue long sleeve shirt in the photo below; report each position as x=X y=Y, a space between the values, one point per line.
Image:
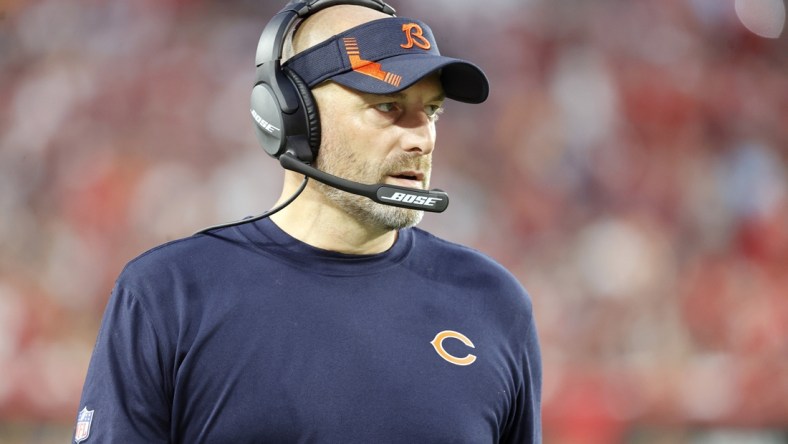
x=247 y=335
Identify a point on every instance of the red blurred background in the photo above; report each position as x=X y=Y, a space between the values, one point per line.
x=630 y=167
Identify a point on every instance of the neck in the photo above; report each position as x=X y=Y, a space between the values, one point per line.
x=317 y=222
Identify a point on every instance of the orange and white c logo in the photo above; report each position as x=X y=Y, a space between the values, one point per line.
x=437 y=343
x=414 y=32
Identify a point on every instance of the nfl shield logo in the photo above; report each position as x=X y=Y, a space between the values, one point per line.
x=84 y=420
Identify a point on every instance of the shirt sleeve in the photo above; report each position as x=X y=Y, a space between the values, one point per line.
x=526 y=424
x=125 y=387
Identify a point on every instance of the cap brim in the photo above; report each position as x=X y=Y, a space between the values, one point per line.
x=462 y=81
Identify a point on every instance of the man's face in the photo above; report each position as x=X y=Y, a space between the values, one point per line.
x=370 y=139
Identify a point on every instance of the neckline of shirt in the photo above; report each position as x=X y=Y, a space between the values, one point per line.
x=268 y=237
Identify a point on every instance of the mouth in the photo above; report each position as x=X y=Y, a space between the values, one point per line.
x=410 y=179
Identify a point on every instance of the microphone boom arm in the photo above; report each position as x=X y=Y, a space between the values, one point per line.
x=435 y=201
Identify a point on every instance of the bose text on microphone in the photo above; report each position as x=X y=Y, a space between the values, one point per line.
x=435 y=201
x=285 y=114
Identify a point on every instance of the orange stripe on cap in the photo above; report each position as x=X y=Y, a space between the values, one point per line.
x=366 y=67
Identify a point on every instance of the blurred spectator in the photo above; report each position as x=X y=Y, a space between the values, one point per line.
x=631 y=166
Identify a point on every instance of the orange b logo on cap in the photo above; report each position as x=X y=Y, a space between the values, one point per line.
x=415 y=36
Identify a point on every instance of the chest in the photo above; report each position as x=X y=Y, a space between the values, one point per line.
x=348 y=364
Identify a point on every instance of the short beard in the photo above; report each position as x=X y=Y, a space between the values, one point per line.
x=344 y=164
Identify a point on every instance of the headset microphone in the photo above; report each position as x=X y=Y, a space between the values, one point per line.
x=381 y=57
x=435 y=201
x=378 y=57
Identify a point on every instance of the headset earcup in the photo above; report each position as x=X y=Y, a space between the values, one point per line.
x=268 y=120
x=310 y=111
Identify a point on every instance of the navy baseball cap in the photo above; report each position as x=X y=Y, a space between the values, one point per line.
x=386 y=56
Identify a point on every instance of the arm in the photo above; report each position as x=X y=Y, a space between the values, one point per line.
x=126 y=381
x=526 y=423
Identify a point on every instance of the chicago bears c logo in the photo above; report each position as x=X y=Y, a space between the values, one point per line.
x=415 y=36
x=437 y=343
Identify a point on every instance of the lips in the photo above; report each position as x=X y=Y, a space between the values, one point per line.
x=409 y=178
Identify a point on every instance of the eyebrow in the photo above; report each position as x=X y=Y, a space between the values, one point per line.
x=400 y=95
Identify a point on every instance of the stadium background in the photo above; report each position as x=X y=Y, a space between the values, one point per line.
x=630 y=168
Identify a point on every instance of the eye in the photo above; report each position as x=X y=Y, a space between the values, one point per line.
x=386 y=107
x=433 y=111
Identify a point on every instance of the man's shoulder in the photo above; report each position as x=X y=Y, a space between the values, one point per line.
x=463 y=262
x=438 y=247
x=460 y=271
x=193 y=255
x=171 y=252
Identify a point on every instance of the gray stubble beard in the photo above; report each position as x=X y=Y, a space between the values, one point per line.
x=340 y=163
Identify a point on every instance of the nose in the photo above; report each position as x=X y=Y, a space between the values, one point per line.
x=418 y=133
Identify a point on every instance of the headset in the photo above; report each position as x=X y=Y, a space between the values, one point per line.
x=282 y=105
x=287 y=121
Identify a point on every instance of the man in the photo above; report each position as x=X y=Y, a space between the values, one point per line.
x=333 y=320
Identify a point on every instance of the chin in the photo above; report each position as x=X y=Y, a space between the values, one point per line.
x=381 y=216
x=385 y=217
x=394 y=218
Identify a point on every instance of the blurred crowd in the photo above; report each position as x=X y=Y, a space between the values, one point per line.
x=630 y=167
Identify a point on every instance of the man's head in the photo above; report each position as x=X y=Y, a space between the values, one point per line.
x=377 y=83
x=371 y=138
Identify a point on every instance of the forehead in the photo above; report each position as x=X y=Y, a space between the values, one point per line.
x=428 y=89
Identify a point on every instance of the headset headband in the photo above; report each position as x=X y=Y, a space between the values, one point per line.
x=372 y=55
x=272 y=40
x=382 y=56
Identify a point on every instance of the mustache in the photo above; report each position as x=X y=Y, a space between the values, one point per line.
x=407 y=163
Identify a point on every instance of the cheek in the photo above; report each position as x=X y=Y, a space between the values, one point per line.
x=350 y=134
x=365 y=148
